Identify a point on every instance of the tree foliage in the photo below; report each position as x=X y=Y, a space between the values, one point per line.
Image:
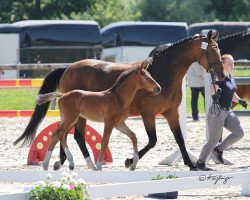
x=108 y=11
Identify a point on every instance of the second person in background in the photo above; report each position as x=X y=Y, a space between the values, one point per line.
x=195 y=80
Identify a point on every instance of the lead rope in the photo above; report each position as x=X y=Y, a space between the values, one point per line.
x=215 y=108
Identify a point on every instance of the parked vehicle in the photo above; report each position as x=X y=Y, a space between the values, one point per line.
x=132 y=41
x=53 y=41
x=224 y=28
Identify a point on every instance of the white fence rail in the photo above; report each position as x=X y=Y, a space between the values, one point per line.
x=124 y=183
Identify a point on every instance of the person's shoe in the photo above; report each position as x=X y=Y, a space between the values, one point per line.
x=201 y=166
x=218 y=155
x=196 y=118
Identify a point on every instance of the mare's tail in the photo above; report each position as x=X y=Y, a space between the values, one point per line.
x=43 y=98
x=50 y=84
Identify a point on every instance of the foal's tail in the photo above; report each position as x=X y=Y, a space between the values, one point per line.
x=50 y=84
x=43 y=98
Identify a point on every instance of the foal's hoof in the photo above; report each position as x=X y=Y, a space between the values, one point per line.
x=128 y=163
x=57 y=165
x=132 y=168
x=45 y=167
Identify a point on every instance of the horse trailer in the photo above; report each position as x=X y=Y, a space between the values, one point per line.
x=133 y=41
x=224 y=28
x=51 y=41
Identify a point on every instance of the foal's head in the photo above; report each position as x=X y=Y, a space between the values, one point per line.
x=145 y=80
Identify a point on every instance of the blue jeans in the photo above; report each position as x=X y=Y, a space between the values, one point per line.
x=194 y=100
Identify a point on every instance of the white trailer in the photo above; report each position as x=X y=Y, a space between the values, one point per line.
x=133 y=41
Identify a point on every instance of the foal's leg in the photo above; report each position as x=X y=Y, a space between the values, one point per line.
x=149 y=123
x=53 y=142
x=63 y=129
x=105 y=140
x=174 y=124
x=124 y=129
x=80 y=139
x=62 y=157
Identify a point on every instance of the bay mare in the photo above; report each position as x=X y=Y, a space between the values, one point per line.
x=168 y=69
x=111 y=106
x=238 y=45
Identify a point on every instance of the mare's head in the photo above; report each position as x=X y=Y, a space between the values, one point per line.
x=211 y=58
x=145 y=80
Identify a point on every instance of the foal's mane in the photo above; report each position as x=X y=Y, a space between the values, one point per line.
x=175 y=45
x=122 y=77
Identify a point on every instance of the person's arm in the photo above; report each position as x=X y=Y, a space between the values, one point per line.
x=236 y=98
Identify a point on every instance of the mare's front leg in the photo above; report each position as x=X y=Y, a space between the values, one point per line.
x=174 y=124
x=105 y=140
x=149 y=123
x=125 y=130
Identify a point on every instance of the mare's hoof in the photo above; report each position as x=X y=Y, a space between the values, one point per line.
x=194 y=169
x=127 y=163
x=57 y=165
x=71 y=167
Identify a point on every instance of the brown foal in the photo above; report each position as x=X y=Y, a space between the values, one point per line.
x=111 y=106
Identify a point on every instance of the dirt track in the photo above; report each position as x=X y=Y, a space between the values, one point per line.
x=15 y=158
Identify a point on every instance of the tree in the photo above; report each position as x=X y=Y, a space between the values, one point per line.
x=11 y=11
x=108 y=11
x=227 y=10
x=175 y=10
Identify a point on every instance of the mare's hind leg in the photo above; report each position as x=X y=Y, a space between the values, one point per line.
x=124 y=129
x=174 y=124
x=80 y=139
x=149 y=123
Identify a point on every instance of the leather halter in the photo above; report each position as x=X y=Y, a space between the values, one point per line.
x=211 y=65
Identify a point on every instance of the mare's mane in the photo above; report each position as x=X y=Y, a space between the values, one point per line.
x=122 y=77
x=235 y=36
x=175 y=45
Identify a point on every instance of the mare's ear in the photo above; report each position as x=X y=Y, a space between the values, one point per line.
x=215 y=38
x=146 y=63
x=209 y=35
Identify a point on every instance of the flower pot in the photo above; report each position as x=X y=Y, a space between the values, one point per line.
x=165 y=195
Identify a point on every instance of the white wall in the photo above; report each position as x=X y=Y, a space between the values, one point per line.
x=9 y=53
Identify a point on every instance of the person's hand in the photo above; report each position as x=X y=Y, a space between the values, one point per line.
x=243 y=103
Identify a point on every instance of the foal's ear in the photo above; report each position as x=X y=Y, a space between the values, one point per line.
x=146 y=63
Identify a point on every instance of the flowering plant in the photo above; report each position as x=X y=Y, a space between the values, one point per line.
x=66 y=189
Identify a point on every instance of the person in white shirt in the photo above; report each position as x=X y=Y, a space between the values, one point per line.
x=195 y=80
